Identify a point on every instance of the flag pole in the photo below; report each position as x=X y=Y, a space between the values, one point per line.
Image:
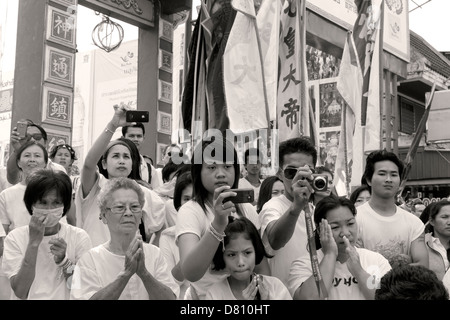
x=266 y=102
x=381 y=74
x=416 y=140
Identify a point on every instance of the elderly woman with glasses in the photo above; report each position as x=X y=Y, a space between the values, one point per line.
x=125 y=267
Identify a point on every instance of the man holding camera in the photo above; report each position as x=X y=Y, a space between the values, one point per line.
x=283 y=224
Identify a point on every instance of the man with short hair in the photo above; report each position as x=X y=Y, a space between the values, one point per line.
x=34 y=133
x=383 y=226
x=136 y=133
x=282 y=218
x=252 y=165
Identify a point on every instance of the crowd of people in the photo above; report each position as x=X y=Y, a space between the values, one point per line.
x=119 y=228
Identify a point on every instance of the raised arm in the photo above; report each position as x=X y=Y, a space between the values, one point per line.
x=22 y=281
x=12 y=171
x=89 y=169
x=280 y=231
x=197 y=254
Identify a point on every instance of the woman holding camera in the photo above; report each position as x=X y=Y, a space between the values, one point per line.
x=201 y=222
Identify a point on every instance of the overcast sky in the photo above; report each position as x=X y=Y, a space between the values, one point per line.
x=431 y=22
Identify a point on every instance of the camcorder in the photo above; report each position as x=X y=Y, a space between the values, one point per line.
x=319 y=182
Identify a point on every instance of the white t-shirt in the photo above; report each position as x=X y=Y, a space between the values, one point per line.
x=172 y=255
x=88 y=212
x=49 y=283
x=192 y=219
x=296 y=247
x=171 y=213
x=99 y=267
x=391 y=235
x=12 y=208
x=345 y=285
x=2 y=231
x=221 y=290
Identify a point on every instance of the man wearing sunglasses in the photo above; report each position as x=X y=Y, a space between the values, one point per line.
x=283 y=224
x=34 y=133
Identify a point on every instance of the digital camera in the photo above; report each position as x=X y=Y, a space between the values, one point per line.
x=319 y=182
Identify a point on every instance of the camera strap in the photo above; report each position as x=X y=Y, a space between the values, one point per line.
x=313 y=254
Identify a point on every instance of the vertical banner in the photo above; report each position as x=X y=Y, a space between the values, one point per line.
x=349 y=85
x=242 y=71
x=372 y=135
x=289 y=106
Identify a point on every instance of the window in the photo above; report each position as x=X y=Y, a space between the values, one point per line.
x=410 y=115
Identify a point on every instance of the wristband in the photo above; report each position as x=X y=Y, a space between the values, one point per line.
x=64 y=261
x=109 y=130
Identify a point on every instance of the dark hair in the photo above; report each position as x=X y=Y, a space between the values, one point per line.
x=265 y=191
x=430 y=213
x=322 y=169
x=223 y=146
x=326 y=205
x=355 y=194
x=28 y=144
x=41 y=182
x=169 y=168
x=240 y=226
x=43 y=132
x=249 y=152
x=183 y=180
x=69 y=148
x=136 y=125
x=411 y=282
x=297 y=145
x=150 y=159
x=377 y=156
x=135 y=158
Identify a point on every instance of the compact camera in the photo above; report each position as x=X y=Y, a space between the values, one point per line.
x=319 y=182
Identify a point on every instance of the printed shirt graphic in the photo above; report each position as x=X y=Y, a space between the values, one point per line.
x=391 y=235
x=345 y=286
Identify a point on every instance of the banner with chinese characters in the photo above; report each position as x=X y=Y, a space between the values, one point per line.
x=291 y=106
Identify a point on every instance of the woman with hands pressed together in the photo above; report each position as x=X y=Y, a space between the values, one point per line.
x=125 y=267
x=39 y=257
x=201 y=222
x=349 y=273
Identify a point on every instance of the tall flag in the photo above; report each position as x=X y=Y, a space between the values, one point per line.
x=250 y=65
x=372 y=133
x=358 y=84
x=416 y=140
x=203 y=95
x=292 y=106
x=349 y=84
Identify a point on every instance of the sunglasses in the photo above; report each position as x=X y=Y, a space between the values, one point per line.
x=35 y=136
x=290 y=172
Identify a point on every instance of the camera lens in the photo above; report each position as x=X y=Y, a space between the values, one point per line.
x=320 y=183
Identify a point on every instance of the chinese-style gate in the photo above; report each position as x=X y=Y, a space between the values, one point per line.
x=45 y=60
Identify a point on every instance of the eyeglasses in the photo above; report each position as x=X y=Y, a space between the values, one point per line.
x=134 y=208
x=290 y=172
x=35 y=136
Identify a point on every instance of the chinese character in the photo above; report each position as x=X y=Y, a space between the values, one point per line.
x=290 y=77
x=291 y=112
x=58 y=109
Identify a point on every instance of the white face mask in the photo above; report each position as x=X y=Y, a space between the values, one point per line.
x=52 y=215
